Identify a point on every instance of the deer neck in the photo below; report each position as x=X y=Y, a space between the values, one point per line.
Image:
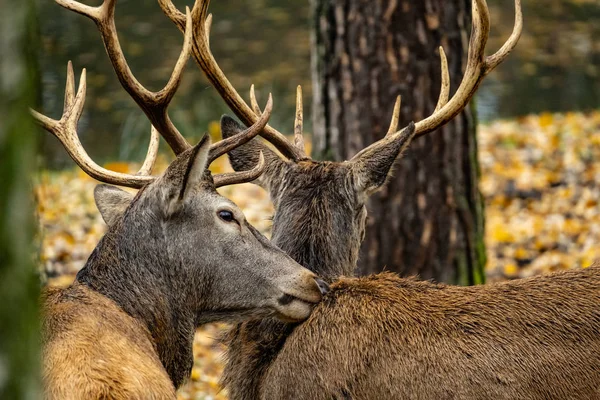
x=329 y=255
x=137 y=285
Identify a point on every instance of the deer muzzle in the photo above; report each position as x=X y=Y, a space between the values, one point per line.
x=299 y=297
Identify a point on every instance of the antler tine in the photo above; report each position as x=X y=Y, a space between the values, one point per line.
x=253 y=101
x=492 y=61
x=65 y=130
x=478 y=66
x=69 y=88
x=395 y=117
x=226 y=145
x=445 y=89
x=215 y=75
x=152 y=153
x=154 y=104
x=299 y=122
x=243 y=176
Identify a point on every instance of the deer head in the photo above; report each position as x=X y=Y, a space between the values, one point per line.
x=320 y=205
x=192 y=236
x=180 y=241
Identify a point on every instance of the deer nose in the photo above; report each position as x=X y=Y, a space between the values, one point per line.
x=323 y=286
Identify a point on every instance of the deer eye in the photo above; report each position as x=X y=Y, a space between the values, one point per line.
x=226 y=216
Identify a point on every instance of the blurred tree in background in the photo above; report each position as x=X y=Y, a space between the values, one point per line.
x=428 y=220
x=19 y=282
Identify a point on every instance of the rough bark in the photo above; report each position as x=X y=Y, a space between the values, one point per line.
x=429 y=219
x=19 y=282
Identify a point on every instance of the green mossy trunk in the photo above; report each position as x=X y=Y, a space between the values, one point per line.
x=19 y=281
x=428 y=220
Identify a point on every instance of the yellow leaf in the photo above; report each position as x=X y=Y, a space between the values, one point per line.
x=546 y=119
x=521 y=253
x=572 y=226
x=501 y=234
x=511 y=269
x=117 y=167
x=214 y=130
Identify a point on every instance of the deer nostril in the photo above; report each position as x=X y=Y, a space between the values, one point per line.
x=323 y=286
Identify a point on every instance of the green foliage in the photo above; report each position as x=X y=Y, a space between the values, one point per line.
x=19 y=282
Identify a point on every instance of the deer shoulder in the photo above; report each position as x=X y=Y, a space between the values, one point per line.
x=97 y=350
x=389 y=337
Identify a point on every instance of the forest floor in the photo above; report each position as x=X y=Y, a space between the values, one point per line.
x=540 y=177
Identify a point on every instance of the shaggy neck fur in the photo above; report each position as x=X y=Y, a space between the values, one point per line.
x=139 y=282
x=315 y=223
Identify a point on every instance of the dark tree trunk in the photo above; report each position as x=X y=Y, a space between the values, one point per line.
x=429 y=219
x=19 y=282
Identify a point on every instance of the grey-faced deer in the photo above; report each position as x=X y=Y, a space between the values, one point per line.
x=385 y=337
x=175 y=255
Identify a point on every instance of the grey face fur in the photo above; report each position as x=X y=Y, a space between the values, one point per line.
x=320 y=208
x=174 y=258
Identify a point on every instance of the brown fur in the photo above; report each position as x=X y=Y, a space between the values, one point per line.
x=320 y=213
x=93 y=350
x=386 y=337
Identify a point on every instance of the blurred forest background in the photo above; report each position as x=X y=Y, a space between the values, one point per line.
x=539 y=132
x=555 y=67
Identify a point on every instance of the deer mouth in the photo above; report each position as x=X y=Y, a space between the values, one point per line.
x=318 y=289
x=288 y=299
x=295 y=308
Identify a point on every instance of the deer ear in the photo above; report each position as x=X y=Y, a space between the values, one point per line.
x=111 y=202
x=183 y=174
x=196 y=167
x=245 y=157
x=372 y=166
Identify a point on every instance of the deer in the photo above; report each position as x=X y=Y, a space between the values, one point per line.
x=175 y=255
x=382 y=336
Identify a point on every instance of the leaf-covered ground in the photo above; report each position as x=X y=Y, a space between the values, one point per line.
x=541 y=183
x=540 y=180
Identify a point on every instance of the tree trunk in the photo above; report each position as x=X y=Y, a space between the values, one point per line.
x=428 y=220
x=19 y=282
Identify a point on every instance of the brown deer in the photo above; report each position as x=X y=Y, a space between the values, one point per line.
x=385 y=337
x=175 y=256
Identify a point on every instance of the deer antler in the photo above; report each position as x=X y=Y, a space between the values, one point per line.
x=206 y=61
x=154 y=104
x=226 y=145
x=243 y=176
x=65 y=130
x=478 y=66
